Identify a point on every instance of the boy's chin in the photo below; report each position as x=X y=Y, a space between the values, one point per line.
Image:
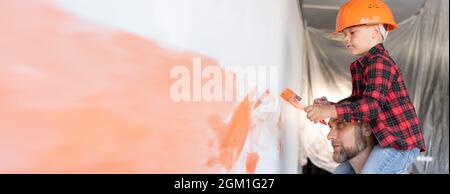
x=354 y=53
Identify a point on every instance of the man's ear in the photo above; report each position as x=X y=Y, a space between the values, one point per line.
x=366 y=130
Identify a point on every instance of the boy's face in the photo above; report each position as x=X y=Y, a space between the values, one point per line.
x=360 y=39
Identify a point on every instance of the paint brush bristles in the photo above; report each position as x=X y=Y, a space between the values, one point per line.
x=292 y=98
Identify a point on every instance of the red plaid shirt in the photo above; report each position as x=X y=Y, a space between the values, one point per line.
x=379 y=97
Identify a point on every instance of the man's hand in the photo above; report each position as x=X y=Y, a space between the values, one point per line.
x=322 y=101
x=316 y=113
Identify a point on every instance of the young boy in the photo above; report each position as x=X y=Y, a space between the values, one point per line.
x=379 y=96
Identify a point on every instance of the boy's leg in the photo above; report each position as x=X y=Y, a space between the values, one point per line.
x=344 y=168
x=389 y=160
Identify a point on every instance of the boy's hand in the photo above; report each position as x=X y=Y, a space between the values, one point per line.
x=316 y=113
x=321 y=101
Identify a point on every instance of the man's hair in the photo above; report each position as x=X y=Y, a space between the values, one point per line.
x=358 y=125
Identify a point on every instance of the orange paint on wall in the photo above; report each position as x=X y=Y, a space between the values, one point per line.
x=232 y=136
x=252 y=161
x=79 y=98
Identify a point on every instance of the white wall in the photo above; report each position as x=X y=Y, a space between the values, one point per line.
x=234 y=32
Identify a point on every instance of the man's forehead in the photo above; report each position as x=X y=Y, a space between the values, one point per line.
x=332 y=122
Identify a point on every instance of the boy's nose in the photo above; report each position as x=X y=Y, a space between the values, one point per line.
x=347 y=39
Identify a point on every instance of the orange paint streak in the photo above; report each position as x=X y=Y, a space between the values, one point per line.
x=78 y=98
x=280 y=146
x=252 y=161
x=232 y=137
x=258 y=102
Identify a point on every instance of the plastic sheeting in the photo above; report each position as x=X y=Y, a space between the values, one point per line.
x=420 y=47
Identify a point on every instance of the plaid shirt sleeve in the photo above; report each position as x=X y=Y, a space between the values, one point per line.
x=378 y=76
x=350 y=98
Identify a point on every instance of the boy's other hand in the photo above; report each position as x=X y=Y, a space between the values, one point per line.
x=316 y=113
x=321 y=101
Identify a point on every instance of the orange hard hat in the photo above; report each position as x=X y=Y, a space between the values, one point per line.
x=360 y=12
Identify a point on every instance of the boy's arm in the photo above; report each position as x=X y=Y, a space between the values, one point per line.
x=348 y=99
x=379 y=77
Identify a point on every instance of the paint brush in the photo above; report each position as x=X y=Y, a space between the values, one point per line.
x=294 y=100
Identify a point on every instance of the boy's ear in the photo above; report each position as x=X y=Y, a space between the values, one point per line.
x=376 y=32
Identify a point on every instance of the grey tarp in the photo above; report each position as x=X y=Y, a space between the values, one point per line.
x=420 y=46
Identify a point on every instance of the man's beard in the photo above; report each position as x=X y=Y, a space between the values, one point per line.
x=348 y=153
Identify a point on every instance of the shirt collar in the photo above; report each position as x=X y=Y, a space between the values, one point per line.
x=377 y=49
